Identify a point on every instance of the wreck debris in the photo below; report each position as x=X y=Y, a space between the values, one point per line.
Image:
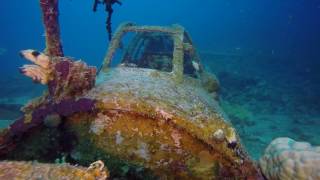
x=140 y=112
x=34 y=170
x=136 y=117
x=50 y=13
x=108 y=8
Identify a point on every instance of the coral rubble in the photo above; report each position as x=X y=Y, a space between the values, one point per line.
x=34 y=170
x=285 y=158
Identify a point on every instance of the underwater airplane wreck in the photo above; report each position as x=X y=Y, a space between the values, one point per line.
x=155 y=115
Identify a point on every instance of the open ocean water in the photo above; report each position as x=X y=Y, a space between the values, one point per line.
x=266 y=55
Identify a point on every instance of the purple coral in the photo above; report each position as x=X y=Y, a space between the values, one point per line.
x=61 y=70
x=63 y=67
x=70 y=79
x=68 y=107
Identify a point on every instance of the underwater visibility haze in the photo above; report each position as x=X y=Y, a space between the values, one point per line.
x=185 y=89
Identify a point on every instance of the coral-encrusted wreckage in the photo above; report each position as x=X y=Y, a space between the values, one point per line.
x=153 y=116
x=34 y=170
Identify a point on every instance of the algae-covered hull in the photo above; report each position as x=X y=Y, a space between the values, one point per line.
x=177 y=130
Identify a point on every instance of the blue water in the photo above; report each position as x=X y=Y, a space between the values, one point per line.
x=272 y=80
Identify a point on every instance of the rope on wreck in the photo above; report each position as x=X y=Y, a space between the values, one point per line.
x=108 y=8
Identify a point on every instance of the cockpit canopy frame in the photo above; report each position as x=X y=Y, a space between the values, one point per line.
x=182 y=45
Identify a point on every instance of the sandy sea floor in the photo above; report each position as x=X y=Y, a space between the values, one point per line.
x=267 y=98
x=16 y=90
